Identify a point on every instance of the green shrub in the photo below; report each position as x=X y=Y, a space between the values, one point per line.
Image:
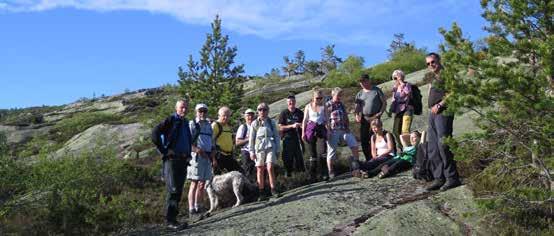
x=408 y=60
x=94 y=193
x=347 y=74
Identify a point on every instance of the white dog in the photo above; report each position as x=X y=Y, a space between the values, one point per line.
x=226 y=187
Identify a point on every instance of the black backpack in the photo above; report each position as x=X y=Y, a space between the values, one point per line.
x=415 y=101
x=421 y=165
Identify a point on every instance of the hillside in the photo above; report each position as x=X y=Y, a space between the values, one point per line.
x=123 y=122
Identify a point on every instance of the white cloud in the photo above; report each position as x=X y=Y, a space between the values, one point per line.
x=342 y=21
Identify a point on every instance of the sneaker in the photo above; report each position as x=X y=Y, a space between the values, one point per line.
x=450 y=184
x=325 y=178
x=436 y=185
x=174 y=225
x=381 y=175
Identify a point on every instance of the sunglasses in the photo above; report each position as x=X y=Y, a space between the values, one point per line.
x=318 y=98
x=203 y=110
x=431 y=63
x=262 y=109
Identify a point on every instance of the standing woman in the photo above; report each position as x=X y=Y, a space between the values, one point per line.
x=400 y=106
x=314 y=128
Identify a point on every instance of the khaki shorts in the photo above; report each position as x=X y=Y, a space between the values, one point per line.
x=265 y=157
x=334 y=139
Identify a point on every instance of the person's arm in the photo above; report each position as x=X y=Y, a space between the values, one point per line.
x=304 y=122
x=240 y=132
x=358 y=108
x=404 y=139
x=383 y=103
x=276 y=137
x=373 y=148
x=283 y=126
x=390 y=146
x=252 y=139
x=157 y=132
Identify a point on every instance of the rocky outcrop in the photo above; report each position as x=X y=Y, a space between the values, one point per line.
x=343 y=207
x=21 y=134
x=120 y=137
x=295 y=83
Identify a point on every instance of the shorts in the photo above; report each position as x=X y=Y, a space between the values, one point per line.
x=200 y=168
x=265 y=157
x=334 y=139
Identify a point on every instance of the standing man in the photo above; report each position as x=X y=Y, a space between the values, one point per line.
x=339 y=130
x=176 y=150
x=241 y=140
x=290 y=123
x=223 y=139
x=370 y=105
x=440 y=127
x=264 y=149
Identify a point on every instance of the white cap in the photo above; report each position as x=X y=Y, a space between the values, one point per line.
x=200 y=105
x=249 y=111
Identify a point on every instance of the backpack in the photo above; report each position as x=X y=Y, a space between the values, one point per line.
x=421 y=165
x=243 y=135
x=415 y=101
x=373 y=137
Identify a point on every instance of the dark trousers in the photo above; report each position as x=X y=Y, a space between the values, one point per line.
x=442 y=159
x=365 y=135
x=226 y=162
x=396 y=166
x=293 y=158
x=318 y=165
x=174 y=174
x=248 y=165
x=374 y=163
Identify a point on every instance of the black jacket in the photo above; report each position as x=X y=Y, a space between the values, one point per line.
x=168 y=128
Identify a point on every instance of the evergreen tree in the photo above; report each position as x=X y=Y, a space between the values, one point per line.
x=290 y=66
x=329 y=61
x=507 y=81
x=214 y=80
x=300 y=60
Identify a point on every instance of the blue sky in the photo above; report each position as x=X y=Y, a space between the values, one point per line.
x=54 y=52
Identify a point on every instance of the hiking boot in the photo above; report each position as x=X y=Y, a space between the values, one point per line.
x=450 y=184
x=331 y=177
x=262 y=196
x=174 y=225
x=436 y=185
x=274 y=193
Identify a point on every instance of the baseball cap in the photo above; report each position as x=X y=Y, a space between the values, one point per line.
x=200 y=106
x=249 y=111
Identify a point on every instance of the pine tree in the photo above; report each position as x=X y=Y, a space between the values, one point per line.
x=329 y=61
x=507 y=81
x=215 y=79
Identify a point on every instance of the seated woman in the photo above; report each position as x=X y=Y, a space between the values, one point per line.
x=382 y=147
x=400 y=162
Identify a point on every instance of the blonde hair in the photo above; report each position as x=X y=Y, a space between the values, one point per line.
x=336 y=91
x=376 y=123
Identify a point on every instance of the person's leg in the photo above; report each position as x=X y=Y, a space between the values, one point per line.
x=175 y=179
x=313 y=158
x=288 y=155
x=353 y=145
x=192 y=195
x=332 y=145
x=199 y=195
x=396 y=129
x=299 y=157
x=433 y=151
x=406 y=123
x=398 y=166
x=260 y=175
x=365 y=134
x=444 y=130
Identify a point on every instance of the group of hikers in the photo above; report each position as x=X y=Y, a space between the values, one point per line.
x=197 y=149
